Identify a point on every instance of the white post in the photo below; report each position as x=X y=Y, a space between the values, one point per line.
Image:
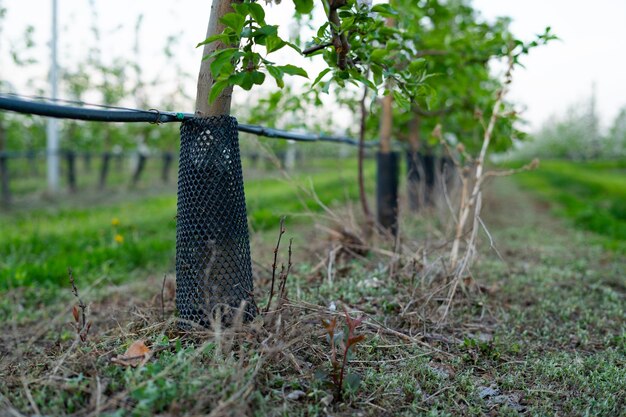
x=290 y=156
x=52 y=130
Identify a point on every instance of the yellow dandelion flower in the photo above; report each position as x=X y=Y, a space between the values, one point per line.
x=119 y=239
x=115 y=221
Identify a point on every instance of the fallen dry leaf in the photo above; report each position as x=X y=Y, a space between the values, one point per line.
x=137 y=354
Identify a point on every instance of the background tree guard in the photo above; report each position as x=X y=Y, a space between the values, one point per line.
x=387 y=178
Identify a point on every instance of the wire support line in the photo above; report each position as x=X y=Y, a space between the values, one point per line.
x=110 y=114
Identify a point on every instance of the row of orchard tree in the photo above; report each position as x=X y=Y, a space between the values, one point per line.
x=416 y=75
x=417 y=72
x=577 y=135
x=430 y=58
x=105 y=80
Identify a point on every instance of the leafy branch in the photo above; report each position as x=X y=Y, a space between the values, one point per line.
x=242 y=64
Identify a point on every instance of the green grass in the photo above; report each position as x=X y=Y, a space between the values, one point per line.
x=37 y=246
x=592 y=194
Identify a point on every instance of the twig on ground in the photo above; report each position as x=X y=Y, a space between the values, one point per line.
x=82 y=325
x=283 y=277
x=29 y=396
x=163 y=298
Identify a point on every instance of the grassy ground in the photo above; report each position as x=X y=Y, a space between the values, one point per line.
x=592 y=194
x=122 y=233
x=540 y=332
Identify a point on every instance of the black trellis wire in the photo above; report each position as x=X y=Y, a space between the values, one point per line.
x=9 y=102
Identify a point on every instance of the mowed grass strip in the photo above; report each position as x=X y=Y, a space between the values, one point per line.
x=592 y=194
x=37 y=246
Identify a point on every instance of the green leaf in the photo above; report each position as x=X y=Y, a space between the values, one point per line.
x=268 y=30
x=242 y=9
x=294 y=47
x=234 y=21
x=239 y=79
x=417 y=65
x=352 y=382
x=247 y=79
x=346 y=23
x=274 y=43
x=384 y=10
x=320 y=76
x=219 y=37
x=402 y=101
x=367 y=82
x=293 y=70
x=222 y=58
x=342 y=75
x=303 y=6
x=322 y=30
x=277 y=73
x=246 y=32
x=216 y=89
x=378 y=55
x=377 y=72
x=257 y=13
x=321 y=375
x=257 y=77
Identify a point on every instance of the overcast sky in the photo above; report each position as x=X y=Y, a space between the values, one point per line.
x=591 y=50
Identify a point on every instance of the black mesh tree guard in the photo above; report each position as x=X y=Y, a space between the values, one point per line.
x=429 y=163
x=213 y=265
x=448 y=172
x=387 y=172
x=413 y=180
x=422 y=172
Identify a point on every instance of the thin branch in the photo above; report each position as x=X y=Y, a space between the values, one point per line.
x=534 y=164
x=163 y=299
x=431 y=113
x=340 y=40
x=469 y=204
x=312 y=49
x=82 y=325
x=285 y=275
x=280 y=235
x=362 y=196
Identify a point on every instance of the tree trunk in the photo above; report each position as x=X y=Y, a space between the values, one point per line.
x=415 y=139
x=369 y=220
x=221 y=105
x=386 y=118
x=387 y=170
x=168 y=157
x=386 y=124
x=141 y=164
x=104 y=170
